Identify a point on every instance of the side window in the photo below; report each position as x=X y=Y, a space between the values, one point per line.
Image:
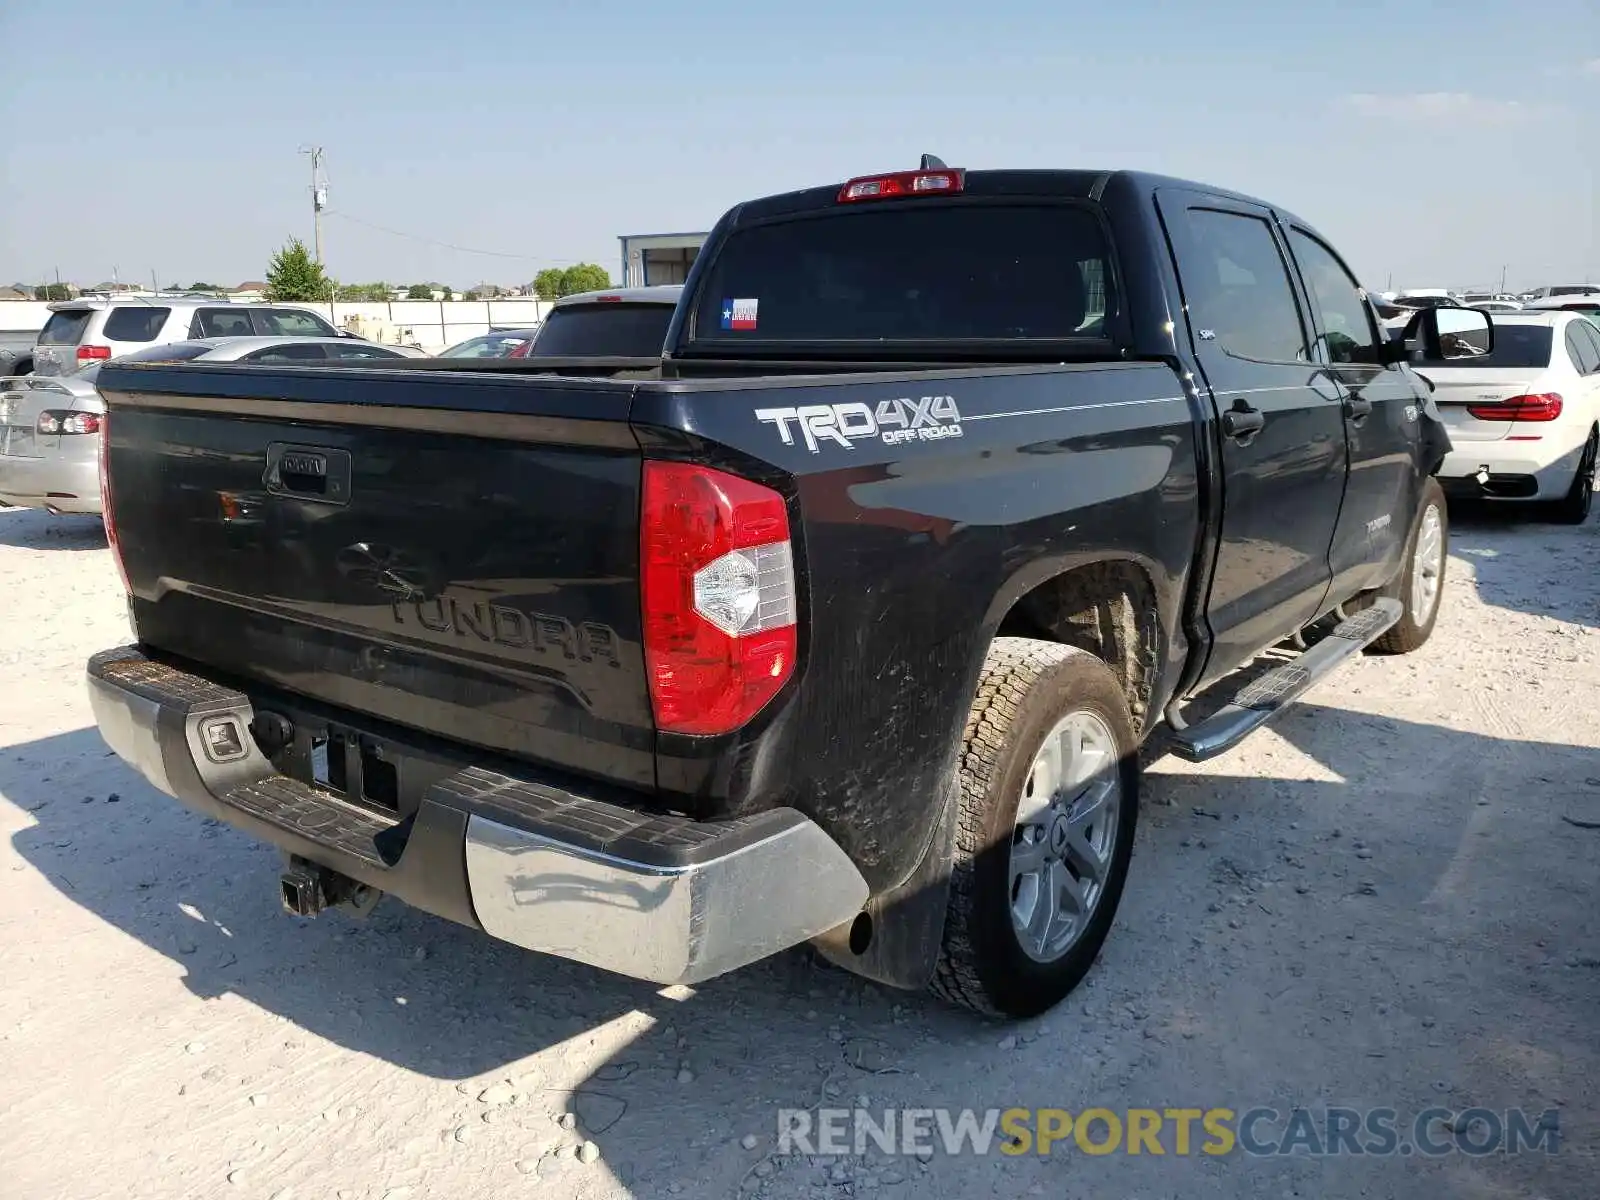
x=1347 y=329
x=1238 y=291
x=288 y=322
x=135 y=324
x=1579 y=350
x=1592 y=333
x=310 y=352
x=356 y=352
x=223 y=322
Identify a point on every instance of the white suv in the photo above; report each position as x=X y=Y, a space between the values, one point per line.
x=82 y=332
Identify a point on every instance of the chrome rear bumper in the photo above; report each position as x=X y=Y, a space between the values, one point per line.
x=647 y=895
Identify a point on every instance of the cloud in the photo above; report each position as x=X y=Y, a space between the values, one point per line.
x=1461 y=109
x=1592 y=67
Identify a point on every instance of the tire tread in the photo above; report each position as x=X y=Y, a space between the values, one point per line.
x=1010 y=670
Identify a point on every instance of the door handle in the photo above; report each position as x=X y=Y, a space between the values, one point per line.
x=1357 y=409
x=1243 y=422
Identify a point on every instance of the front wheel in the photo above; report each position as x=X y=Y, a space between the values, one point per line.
x=1420 y=584
x=1049 y=798
x=1573 y=508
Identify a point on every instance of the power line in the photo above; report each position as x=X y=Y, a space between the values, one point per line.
x=417 y=237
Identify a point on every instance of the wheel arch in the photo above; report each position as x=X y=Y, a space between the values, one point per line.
x=1111 y=605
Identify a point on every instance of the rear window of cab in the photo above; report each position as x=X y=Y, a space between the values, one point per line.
x=911 y=272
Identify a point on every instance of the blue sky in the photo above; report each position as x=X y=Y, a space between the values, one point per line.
x=162 y=135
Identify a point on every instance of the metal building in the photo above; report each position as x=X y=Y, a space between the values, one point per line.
x=651 y=258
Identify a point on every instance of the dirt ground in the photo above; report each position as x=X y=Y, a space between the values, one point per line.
x=1385 y=900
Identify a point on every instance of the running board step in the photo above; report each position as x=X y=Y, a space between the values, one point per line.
x=1264 y=698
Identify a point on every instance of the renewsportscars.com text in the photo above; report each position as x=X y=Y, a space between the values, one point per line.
x=1260 y=1132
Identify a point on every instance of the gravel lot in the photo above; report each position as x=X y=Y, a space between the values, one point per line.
x=1387 y=899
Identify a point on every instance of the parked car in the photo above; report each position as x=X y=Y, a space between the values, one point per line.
x=847 y=627
x=1496 y=306
x=81 y=332
x=614 y=322
x=50 y=425
x=1524 y=419
x=497 y=343
x=1588 y=306
x=50 y=443
x=16 y=352
x=1570 y=289
x=1421 y=298
x=309 y=350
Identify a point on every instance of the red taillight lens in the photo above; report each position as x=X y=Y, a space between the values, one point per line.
x=91 y=353
x=1541 y=406
x=944 y=182
x=105 y=501
x=717 y=576
x=55 y=421
x=81 y=423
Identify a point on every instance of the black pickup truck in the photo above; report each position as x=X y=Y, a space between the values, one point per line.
x=845 y=627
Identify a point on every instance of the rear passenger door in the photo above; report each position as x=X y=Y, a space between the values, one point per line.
x=1382 y=412
x=1280 y=432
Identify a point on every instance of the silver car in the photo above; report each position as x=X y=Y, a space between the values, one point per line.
x=81 y=333
x=50 y=425
x=50 y=443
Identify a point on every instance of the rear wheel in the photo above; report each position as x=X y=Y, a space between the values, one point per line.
x=1573 y=508
x=1049 y=798
x=1420 y=584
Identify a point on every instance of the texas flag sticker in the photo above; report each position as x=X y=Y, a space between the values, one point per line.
x=739 y=314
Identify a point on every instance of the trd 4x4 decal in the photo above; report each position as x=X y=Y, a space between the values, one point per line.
x=924 y=419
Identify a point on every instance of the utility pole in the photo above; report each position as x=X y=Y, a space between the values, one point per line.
x=1503 y=270
x=319 y=195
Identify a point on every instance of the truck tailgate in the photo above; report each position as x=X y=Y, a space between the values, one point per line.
x=459 y=559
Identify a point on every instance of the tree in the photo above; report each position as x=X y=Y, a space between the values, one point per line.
x=446 y=293
x=585 y=277
x=547 y=283
x=204 y=287
x=294 y=275
x=52 y=291
x=419 y=291
x=471 y=295
x=363 y=293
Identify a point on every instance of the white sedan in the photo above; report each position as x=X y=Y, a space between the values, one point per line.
x=1524 y=419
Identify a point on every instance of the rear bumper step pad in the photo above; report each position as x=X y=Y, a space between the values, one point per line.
x=651 y=896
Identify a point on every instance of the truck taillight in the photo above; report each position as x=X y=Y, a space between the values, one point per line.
x=105 y=501
x=1541 y=406
x=717 y=576
x=93 y=353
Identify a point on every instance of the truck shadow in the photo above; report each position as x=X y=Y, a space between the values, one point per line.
x=670 y=1081
x=1524 y=564
x=35 y=529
